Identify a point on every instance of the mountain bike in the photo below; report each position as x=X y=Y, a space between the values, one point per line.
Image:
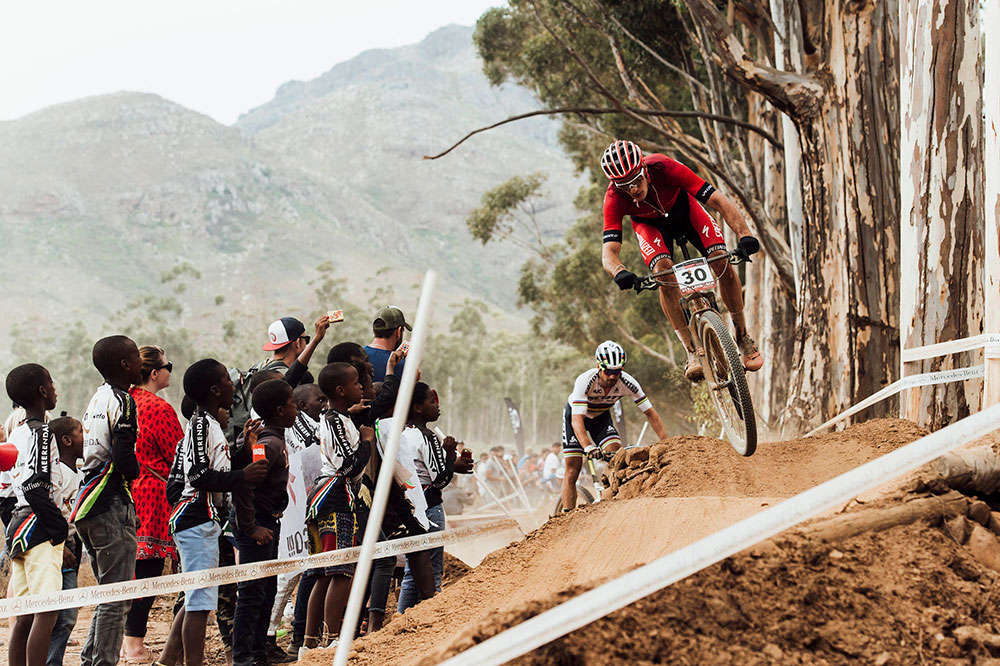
x=721 y=358
x=583 y=495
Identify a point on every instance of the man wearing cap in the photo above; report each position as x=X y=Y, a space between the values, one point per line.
x=388 y=331
x=292 y=348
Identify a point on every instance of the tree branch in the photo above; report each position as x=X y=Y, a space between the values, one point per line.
x=797 y=95
x=773 y=140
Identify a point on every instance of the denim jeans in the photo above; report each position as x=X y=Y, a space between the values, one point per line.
x=64 y=623
x=110 y=540
x=302 y=604
x=408 y=596
x=254 y=599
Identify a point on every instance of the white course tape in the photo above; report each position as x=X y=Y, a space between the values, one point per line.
x=660 y=573
x=925 y=379
x=950 y=347
x=146 y=587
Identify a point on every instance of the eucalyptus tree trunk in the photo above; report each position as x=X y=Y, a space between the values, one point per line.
x=942 y=203
x=847 y=334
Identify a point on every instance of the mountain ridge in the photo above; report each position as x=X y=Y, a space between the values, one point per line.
x=123 y=186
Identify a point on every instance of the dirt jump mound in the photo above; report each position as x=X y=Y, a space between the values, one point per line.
x=663 y=497
x=908 y=594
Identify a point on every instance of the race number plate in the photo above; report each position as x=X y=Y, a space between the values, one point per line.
x=694 y=276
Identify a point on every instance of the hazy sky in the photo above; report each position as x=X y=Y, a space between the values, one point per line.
x=219 y=57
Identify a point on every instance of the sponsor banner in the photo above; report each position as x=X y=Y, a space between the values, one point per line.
x=925 y=379
x=135 y=589
x=988 y=340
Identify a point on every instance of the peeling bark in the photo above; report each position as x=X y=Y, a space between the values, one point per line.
x=943 y=203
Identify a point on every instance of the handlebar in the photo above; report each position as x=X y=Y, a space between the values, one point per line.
x=651 y=281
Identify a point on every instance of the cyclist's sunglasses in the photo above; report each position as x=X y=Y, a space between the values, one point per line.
x=169 y=367
x=612 y=373
x=627 y=185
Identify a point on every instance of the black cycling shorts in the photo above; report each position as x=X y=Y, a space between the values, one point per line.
x=600 y=428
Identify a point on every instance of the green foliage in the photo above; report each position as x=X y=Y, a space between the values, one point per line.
x=573 y=299
x=506 y=205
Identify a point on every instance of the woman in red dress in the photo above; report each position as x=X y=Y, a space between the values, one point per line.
x=159 y=434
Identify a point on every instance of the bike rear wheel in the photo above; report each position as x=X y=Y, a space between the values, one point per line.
x=583 y=496
x=728 y=383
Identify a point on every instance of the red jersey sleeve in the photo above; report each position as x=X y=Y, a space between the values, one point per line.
x=688 y=180
x=614 y=213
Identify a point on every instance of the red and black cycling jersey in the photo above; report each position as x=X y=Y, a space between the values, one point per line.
x=667 y=178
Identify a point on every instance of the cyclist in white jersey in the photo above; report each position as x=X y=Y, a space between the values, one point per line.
x=587 y=425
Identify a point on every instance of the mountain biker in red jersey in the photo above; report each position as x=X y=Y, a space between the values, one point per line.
x=664 y=197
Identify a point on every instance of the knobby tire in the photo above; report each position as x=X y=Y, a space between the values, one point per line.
x=715 y=336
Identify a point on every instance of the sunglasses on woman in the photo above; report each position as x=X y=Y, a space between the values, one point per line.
x=169 y=367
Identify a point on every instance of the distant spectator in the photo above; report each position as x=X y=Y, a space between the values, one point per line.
x=292 y=348
x=68 y=433
x=436 y=462
x=301 y=440
x=159 y=433
x=37 y=527
x=257 y=508
x=379 y=397
x=331 y=516
x=104 y=511
x=388 y=335
x=195 y=521
x=353 y=353
x=553 y=469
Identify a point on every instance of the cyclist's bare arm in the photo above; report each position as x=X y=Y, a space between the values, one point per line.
x=580 y=430
x=656 y=423
x=730 y=213
x=611 y=259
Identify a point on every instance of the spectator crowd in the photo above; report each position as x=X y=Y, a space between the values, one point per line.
x=272 y=462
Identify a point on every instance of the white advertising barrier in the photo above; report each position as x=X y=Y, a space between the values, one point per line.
x=925 y=379
x=671 y=568
x=134 y=589
x=988 y=340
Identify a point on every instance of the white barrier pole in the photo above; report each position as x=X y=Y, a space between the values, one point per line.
x=506 y=474
x=486 y=484
x=389 y=455
x=660 y=573
x=517 y=477
x=642 y=433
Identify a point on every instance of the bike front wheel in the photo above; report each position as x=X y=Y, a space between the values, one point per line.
x=728 y=383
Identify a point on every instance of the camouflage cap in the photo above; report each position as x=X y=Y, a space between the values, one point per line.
x=390 y=318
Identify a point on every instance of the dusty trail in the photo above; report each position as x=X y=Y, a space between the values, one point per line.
x=684 y=489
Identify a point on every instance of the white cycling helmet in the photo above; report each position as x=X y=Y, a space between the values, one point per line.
x=622 y=160
x=610 y=355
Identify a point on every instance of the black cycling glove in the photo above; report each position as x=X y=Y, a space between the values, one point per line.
x=749 y=245
x=625 y=279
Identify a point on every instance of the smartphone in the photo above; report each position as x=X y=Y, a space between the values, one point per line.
x=335 y=316
x=405 y=347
